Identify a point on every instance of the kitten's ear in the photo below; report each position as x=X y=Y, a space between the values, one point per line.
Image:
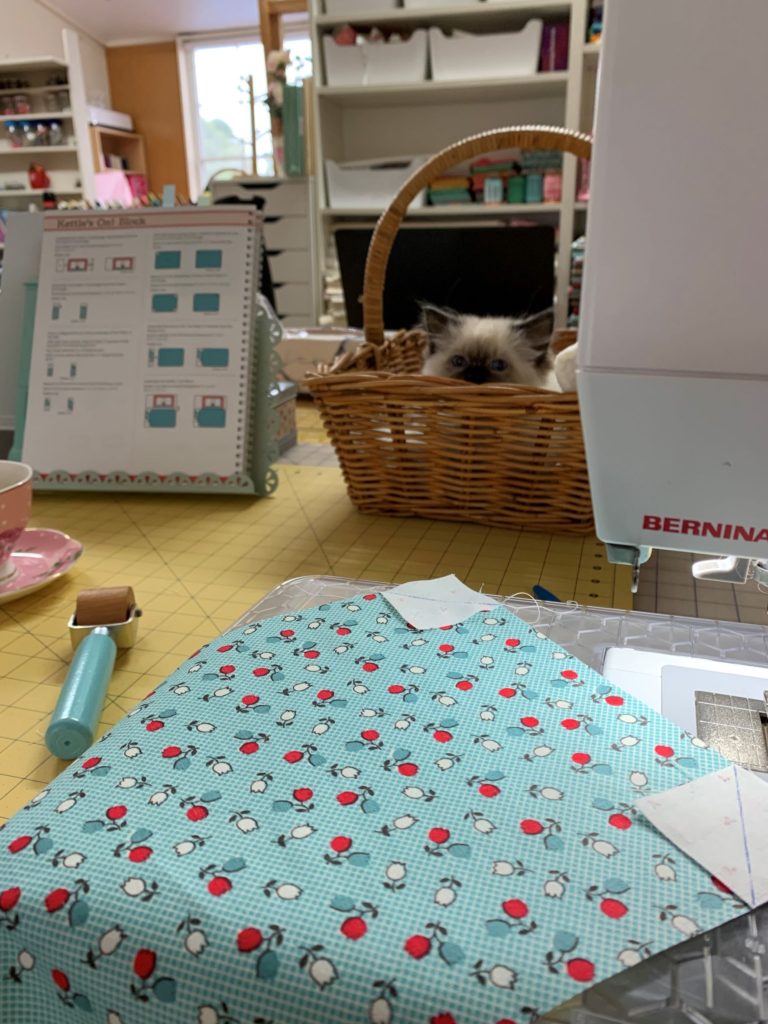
x=435 y=322
x=537 y=331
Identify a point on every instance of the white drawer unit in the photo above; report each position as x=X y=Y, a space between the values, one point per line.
x=287 y=237
x=292 y=298
x=286 y=233
x=291 y=267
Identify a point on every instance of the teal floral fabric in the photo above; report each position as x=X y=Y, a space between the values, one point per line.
x=331 y=818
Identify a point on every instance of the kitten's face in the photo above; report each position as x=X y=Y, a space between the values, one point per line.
x=488 y=350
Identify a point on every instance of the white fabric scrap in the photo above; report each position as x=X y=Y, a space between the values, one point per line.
x=430 y=604
x=720 y=821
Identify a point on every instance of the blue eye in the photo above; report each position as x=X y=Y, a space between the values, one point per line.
x=498 y=365
x=459 y=362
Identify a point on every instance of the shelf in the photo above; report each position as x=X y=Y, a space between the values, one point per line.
x=33 y=64
x=34 y=90
x=451 y=210
x=25 y=193
x=550 y=83
x=580 y=207
x=488 y=14
x=591 y=54
x=37 y=150
x=34 y=115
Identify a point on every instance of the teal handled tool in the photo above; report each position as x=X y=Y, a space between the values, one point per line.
x=104 y=620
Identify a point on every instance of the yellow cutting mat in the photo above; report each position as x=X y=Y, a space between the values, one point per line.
x=197 y=564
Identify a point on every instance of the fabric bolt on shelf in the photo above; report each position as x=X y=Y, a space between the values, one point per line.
x=449 y=183
x=450 y=196
x=328 y=816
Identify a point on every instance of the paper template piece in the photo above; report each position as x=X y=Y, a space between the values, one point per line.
x=720 y=821
x=430 y=604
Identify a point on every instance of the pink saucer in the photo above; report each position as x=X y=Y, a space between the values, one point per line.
x=40 y=557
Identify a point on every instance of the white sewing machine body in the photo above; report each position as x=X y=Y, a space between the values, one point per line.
x=673 y=346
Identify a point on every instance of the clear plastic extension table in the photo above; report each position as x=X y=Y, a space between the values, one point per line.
x=718 y=978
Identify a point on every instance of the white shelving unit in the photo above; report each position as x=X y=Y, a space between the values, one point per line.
x=386 y=122
x=68 y=165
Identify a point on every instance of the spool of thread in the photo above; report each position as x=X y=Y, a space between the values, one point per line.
x=72 y=728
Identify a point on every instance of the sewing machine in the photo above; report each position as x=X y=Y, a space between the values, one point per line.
x=673 y=347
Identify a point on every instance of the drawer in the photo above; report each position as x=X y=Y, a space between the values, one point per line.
x=291 y=267
x=286 y=233
x=280 y=197
x=293 y=298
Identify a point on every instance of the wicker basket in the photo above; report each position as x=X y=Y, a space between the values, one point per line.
x=412 y=445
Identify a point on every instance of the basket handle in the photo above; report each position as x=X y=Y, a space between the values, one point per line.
x=526 y=137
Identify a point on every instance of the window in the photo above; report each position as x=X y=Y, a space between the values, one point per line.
x=224 y=118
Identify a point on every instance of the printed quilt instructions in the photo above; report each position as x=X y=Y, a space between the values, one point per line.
x=330 y=817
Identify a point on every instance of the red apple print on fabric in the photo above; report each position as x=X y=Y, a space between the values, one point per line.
x=396 y=688
x=664 y=751
x=117 y=812
x=260 y=672
x=580 y=970
x=515 y=908
x=9 y=898
x=612 y=908
x=90 y=762
x=354 y=928
x=418 y=946
x=568 y=673
x=19 y=844
x=250 y=699
x=580 y=758
x=347 y=797
x=171 y=752
x=507 y=692
x=144 y=963
x=531 y=827
x=620 y=821
x=512 y=642
x=570 y=723
x=60 y=980
x=614 y=700
x=56 y=899
x=155 y=725
x=219 y=886
x=293 y=756
x=249 y=939
x=340 y=844
x=464 y=684
x=439 y=836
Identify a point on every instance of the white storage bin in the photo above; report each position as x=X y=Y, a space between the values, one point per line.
x=465 y=56
x=352 y=8
x=376 y=63
x=372 y=185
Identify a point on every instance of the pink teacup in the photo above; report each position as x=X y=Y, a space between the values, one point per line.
x=15 y=506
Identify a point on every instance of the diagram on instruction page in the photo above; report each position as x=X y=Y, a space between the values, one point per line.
x=210 y=411
x=74 y=264
x=161 y=411
x=164 y=357
x=119 y=263
x=213 y=358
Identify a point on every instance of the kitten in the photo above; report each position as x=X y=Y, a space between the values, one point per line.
x=489 y=350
